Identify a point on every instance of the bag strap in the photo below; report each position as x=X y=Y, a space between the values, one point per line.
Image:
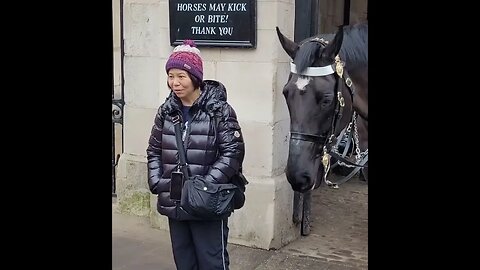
x=182 y=165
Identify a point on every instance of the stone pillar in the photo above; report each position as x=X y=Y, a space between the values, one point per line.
x=254 y=79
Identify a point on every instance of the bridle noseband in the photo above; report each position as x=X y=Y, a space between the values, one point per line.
x=320 y=139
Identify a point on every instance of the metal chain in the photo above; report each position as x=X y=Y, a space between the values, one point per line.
x=358 y=154
x=355 y=136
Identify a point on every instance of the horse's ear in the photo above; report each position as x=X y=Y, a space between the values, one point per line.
x=334 y=47
x=289 y=46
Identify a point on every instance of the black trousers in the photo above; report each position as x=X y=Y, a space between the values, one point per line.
x=200 y=245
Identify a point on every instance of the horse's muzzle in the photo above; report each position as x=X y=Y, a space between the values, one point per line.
x=300 y=182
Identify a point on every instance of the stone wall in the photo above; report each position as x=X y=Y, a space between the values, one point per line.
x=254 y=79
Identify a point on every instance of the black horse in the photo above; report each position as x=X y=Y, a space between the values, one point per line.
x=327 y=91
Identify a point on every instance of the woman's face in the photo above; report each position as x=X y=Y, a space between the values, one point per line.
x=180 y=83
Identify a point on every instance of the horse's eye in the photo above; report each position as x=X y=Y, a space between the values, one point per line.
x=325 y=102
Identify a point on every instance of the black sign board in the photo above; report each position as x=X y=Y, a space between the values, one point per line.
x=214 y=23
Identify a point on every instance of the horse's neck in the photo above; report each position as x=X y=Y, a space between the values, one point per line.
x=360 y=126
x=360 y=95
x=359 y=104
x=347 y=112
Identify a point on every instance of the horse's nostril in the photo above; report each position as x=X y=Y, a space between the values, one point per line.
x=305 y=178
x=300 y=181
x=303 y=181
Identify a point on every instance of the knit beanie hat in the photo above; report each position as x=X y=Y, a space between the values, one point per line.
x=186 y=57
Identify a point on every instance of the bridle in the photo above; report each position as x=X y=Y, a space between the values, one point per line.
x=328 y=140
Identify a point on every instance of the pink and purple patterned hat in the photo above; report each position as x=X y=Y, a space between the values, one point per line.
x=186 y=57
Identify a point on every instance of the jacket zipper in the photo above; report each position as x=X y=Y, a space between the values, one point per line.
x=187 y=131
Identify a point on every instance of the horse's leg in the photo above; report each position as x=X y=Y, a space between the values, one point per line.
x=307 y=203
x=297 y=207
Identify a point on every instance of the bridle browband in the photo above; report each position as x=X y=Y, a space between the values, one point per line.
x=313 y=71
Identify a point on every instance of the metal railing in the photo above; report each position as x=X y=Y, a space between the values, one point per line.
x=117 y=118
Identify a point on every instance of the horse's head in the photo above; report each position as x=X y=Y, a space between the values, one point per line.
x=311 y=96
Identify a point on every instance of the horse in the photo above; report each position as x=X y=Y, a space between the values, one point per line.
x=326 y=93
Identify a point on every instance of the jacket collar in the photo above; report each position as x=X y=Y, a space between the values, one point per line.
x=212 y=97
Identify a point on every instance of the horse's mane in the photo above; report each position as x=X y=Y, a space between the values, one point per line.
x=354 y=49
x=306 y=54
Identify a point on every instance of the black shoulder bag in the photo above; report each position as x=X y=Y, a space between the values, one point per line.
x=199 y=197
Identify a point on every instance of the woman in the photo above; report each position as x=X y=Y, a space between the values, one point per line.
x=215 y=152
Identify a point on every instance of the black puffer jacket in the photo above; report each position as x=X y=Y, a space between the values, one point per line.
x=202 y=143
